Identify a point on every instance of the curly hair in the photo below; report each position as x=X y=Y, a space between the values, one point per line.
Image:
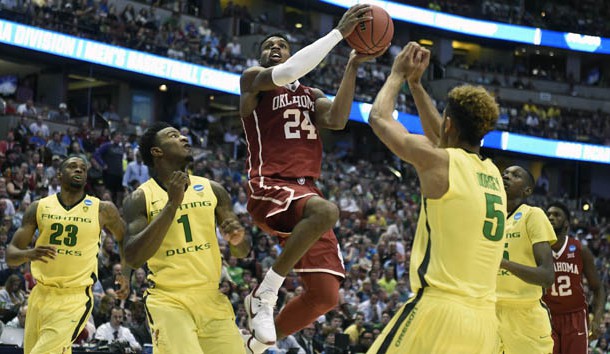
x=149 y=140
x=474 y=110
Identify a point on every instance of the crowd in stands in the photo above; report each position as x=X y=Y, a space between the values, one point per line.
x=147 y=31
x=379 y=210
x=586 y=17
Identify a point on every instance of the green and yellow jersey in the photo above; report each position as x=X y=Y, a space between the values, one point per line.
x=458 y=243
x=526 y=226
x=75 y=232
x=189 y=255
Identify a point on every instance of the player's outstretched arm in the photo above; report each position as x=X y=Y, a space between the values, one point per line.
x=112 y=221
x=597 y=287
x=543 y=274
x=257 y=79
x=18 y=251
x=142 y=239
x=334 y=114
x=416 y=65
x=415 y=149
x=230 y=227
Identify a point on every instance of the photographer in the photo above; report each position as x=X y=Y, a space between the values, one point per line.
x=118 y=337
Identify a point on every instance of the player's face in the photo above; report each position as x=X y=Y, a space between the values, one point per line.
x=557 y=218
x=175 y=146
x=515 y=181
x=73 y=173
x=275 y=50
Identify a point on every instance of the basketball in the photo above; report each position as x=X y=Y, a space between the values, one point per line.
x=369 y=37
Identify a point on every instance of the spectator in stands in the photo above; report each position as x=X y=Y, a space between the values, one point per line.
x=62 y=114
x=113 y=331
x=135 y=174
x=364 y=342
x=13 y=295
x=111 y=115
x=54 y=187
x=355 y=329
x=109 y=158
x=19 y=320
x=56 y=146
x=17 y=187
x=239 y=207
x=305 y=339
x=40 y=126
x=51 y=171
x=27 y=109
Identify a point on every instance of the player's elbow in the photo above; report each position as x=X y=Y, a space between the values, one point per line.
x=548 y=278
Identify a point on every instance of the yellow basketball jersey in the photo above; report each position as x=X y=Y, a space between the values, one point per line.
x=457 y=246
x=75 y=232
x=189 y=255
x=526 y=226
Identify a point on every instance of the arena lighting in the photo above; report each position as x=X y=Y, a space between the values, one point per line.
x=586 y=207
x=163 y=88
x=488 y=29
x=41 y=40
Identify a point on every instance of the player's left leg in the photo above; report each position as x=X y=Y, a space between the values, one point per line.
x=321 y=294
x=61 y=314
x=217 y=331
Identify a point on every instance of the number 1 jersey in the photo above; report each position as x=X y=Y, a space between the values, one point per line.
x=282 y=138
x=75 y=233
x=189 y=255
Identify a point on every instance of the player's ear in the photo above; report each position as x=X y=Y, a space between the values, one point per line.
x=156 y=151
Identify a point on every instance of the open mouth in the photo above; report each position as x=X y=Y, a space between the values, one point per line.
x=77 y=178
x=275 y=56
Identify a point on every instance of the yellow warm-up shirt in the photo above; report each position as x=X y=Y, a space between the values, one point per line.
x=526 y=226
x=458 y=243
x=75 y=232
x=189 y=255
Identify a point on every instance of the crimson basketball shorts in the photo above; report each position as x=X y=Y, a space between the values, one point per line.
x=570 y=332
x=277 y=205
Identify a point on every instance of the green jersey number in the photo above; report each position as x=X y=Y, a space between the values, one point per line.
x=184 y=220
x=70 y=234
x=493 y=217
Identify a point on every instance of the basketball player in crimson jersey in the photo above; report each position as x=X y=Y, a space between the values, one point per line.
x=281 y=120
x=566 y=298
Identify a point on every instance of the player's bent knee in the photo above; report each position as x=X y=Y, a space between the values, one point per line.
x=326 y=212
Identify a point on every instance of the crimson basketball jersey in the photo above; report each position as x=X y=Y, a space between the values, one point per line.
x=567 y=294
x=282 y=138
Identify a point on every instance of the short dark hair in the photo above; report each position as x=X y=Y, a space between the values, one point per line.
x=560 y=205
x=531 y=181
x=274 y=34
x=63 y=162
x=149 y=140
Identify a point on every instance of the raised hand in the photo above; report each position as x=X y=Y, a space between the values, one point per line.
x=361 y=58
x=353 y=16
x=42 y=254
x=232 y=231
x=411 y=62
x=176 y=187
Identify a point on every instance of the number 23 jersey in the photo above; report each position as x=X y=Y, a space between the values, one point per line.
x=282 y=138
x=75 y=233
x=189 y=255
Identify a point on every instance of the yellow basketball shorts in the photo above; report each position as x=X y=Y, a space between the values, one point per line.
x=524 y=328
x=55 y=317
x=434 y=322
x=193 y=321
